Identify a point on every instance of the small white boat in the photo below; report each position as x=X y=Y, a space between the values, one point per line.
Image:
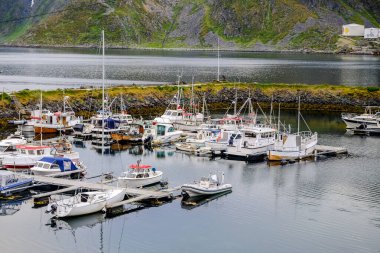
x=56 y=165
x=162 y=133
x=186 y=147
x=207 y=186
x=352 y=120
x=139 y=175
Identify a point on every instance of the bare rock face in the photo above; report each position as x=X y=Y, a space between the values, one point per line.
x=239 y=24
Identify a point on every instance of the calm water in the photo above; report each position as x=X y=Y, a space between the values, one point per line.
x=56 y=68
x=332 y=205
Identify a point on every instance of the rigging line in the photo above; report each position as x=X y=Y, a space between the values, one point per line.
x=83 y=7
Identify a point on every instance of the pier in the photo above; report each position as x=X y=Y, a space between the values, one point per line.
x=134 y=194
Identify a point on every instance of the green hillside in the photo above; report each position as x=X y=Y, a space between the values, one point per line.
x=239 y=24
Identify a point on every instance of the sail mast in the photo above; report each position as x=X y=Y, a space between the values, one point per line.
x=299 y=112
x=103 y=77
x=218 y=62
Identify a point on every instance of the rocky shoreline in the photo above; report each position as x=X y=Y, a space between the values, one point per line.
x=267 y=50
x=149 y=101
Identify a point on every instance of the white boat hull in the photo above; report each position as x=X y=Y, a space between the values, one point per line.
x=139 y=182
x=194 y=190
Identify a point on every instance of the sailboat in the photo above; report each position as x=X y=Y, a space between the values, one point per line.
x=89 y=202
x=290 y=146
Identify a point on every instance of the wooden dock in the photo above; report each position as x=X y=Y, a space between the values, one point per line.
x=134 y=194
x=329 y=150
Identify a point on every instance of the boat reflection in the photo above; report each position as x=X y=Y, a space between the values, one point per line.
x=193 y=202
x=73 y=223
x=12 y=204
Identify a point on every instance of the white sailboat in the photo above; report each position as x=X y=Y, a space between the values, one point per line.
x=293 y=145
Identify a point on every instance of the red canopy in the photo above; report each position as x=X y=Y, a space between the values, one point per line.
x=141 y=166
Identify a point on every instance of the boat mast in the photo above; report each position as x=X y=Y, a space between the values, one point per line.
x=278 y=120
x=218 y=62
x=103 y=76
x=192 y=106
x=235 y=102
x=41 y=118
x=299 y=112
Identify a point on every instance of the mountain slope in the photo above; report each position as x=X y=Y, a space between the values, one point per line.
x=239 y=24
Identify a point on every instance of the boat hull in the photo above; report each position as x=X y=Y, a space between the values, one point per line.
x=194 y=190
x=139 y=182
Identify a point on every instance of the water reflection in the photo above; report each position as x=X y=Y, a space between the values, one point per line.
x=52 y=68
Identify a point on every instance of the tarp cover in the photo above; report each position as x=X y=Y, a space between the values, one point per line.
x=65 y=164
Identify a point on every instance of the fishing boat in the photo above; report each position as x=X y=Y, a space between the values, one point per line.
x=11 y=182
x=8 y=145
x=82 y=130
x=130 y=134
x=139 y=175
x=291 y=146
x=253 y=144
x=57 y=121
x=26 y=156
x=369 y=117
x=56 y=165
x=207 y=186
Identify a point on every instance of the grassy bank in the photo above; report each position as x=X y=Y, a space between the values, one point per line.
x=152 y=100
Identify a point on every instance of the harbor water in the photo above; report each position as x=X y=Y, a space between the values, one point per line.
x=37 y=68
x=331 y=205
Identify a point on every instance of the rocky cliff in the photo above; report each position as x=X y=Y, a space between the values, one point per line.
x=237 y=24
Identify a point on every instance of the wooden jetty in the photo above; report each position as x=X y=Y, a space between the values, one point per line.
x=134 y=194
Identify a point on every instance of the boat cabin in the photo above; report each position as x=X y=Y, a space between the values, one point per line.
x=163 y=129
x=32 y=150
x=56 y=163
x=140 y=171
x=257 y=136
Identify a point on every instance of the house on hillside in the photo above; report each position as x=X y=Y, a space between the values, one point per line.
x=353 y=30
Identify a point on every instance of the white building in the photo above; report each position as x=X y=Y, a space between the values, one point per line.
x=352 y=30
x=371 y=33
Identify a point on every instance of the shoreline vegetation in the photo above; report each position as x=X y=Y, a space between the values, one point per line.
x=151 y=100
x=185 y=49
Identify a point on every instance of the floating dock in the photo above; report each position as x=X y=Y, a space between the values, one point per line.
x=134 y=194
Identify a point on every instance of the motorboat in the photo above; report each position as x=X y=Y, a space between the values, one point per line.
x=186 y=147
x=292 y=146
x=369 y=117
x=84 y=203
x=253 y=144
x=224 y=138
x=54 y=122
x=11 y=182
x=27 y=155
x=162 y=133
x=8 y=145
x=56 y=165
x=130 y=134
x=82 y=130
x=139 y=175
x=207 y=186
